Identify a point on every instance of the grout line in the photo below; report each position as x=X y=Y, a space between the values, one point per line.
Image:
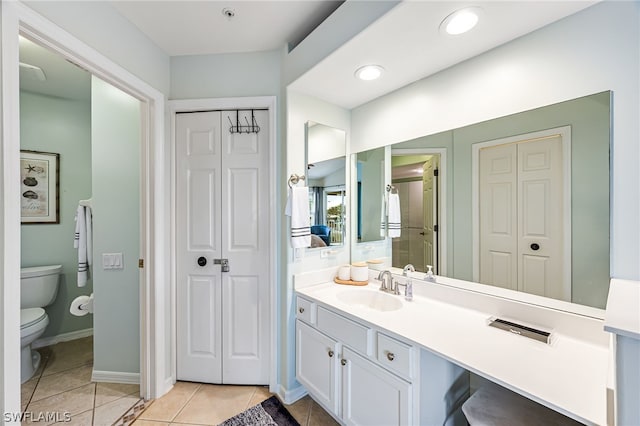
x=255 y=390
x=187 y=401
x=309 y=412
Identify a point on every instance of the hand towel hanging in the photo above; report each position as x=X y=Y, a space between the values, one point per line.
x=394 y=224
x=83 y=242
x=298 y=209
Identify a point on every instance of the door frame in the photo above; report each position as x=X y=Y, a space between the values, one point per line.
x=211 y=104
x=565 y=133
x=442 y=195
x=154 y=225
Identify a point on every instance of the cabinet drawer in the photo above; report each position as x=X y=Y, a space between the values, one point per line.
x=350 y=333
x=305 y=310
x=394 y=355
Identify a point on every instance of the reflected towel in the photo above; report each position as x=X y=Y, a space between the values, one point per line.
x=83 y=241
x=383 y=217
x=298 y=209
x=394 y=216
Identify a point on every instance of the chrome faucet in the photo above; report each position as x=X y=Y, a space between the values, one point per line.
x=386 y=281
x=408 y=268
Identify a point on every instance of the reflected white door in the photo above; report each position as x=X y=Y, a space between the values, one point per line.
x=428 y=210
x=222 y=195
x=521 y=216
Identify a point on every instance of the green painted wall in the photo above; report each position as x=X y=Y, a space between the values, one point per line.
x=116 y=217
x=63 y=126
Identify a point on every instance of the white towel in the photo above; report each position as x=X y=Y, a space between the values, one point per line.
x=83 y=241
x=298 y=209
x=394 y=216
x=383 y=217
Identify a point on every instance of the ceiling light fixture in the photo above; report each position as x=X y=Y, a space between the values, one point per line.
x=369 y=72
x=461 y=21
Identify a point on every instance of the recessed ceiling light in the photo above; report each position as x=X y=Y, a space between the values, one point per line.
x=461 y=21
x=369 y=72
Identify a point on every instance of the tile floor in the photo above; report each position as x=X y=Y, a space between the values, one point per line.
x=63 y=385
x=202 y=404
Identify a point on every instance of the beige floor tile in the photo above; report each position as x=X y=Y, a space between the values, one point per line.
x=149 y=423
x=213 y=404
x=107 y=414
x=261 y=393
x=319 y=417
x=82 y=419
x=107 y=392
x=300 y=409
x=61 y=382
x=67 y=355
x=167 y=407
x=26 y=391
x=74 y=401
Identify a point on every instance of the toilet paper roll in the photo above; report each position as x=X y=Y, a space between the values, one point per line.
x=81 y=306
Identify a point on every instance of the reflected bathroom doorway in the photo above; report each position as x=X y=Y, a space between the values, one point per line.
x=418 y=178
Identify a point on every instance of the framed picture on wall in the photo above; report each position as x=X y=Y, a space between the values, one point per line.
x=39 y=187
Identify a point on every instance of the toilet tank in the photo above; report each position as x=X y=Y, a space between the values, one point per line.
x=39 y=285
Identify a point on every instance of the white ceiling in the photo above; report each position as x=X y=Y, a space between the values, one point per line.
x=408 y=44
x=200 y=27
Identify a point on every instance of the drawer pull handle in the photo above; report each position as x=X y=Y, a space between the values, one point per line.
x=330 y=354
x=301 y=310
x=343 y=361
x=390 y=356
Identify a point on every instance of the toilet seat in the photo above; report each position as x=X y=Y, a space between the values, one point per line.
x=31 y=316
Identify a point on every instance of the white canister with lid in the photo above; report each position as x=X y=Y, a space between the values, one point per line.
x=344 y=273
x=359 y=272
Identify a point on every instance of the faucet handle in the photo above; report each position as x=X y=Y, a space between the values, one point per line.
x=408 y=268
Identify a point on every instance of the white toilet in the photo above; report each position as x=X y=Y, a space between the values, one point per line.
x=38 y=288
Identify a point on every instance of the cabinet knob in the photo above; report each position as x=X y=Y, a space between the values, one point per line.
x=202 y=261
x=535 y=246
x=330 y=354
x=343 y=361
x=301 y=310
x=390 y=356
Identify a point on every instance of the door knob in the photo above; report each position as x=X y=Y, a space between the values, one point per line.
x=202 y=261
x=534 y=246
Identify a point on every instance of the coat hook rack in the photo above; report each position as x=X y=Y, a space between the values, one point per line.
x=244 y=128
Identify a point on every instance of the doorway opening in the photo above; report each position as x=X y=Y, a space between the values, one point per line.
x=20 y=20
x=419 y=177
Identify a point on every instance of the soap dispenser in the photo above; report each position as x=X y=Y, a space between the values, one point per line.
x=429 y=276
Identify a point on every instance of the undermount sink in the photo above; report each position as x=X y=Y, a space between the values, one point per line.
x=375 y=300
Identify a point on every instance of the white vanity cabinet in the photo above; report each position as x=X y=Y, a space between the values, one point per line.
x=337 y=362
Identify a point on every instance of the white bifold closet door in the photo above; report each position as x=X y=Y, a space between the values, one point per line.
x=521 y=217
x=222 y=197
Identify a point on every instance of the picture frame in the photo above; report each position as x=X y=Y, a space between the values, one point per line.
x=39 y=187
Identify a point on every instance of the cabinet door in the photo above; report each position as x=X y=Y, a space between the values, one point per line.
x=316 y=362
x=371 y=395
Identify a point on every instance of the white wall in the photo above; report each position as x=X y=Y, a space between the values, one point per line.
x=116 y=136
x=592 y=51
x=100 y=26
x=300 y=109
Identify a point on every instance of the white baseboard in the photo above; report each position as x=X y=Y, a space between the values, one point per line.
x=289 y=396
x=64 y=337
x=115 y=377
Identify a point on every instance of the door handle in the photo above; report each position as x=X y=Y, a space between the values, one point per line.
x=202 y=261
x=224 y=264
x=422 y=233
x=535 y=246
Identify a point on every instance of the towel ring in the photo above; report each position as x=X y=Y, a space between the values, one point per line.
x=294 y=179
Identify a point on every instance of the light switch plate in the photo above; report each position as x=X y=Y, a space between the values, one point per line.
x=112 y=261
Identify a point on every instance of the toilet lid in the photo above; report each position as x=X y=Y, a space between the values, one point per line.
x=31 y=316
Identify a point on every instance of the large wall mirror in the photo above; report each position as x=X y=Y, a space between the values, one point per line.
x=326 y=179
x=519 y=202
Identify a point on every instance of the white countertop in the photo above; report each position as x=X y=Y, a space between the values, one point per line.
x=569 y=375
x=623 y=308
